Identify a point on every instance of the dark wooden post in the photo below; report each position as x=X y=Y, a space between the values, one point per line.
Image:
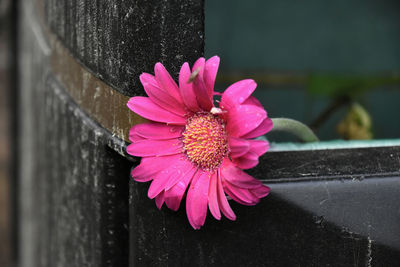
x=79 y=63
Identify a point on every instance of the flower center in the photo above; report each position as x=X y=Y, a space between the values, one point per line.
x=205 y=141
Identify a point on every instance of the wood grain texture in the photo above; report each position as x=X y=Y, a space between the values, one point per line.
x=118 y=40
x=8 y=132
x=103 y=103
x=74 y=187
x=5 y=87
x=73 y=180
x=73 y=184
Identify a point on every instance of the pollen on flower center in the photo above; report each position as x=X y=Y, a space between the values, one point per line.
x=205 y=140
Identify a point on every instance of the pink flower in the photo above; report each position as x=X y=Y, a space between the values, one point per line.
x=191 y=143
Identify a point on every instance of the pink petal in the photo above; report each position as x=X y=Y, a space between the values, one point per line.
x=150 y=166
x=262 y=129
x=232 y=196
x=258 y=147
x=247 y=161
x=199 y=64
x=146 y=108
x=134 y=137
x=182 y=168
x=148 y=148
x=244 y=119
x=261 y=191
x=203 y=98
x=210 y=73
x=251 y=100
x=196 y=201
x=161 y=97
x=174 y=195
x=160 y=198
x=240 y=195
x=144 y=172
x=166 y=82
x=158 y=184
x=237 y=93
x=149 y=79
x=238 y=147
x=236 y=176
x=157 y=131
x=213 y=197
x=186 y=89
x=223 y=202
x=163 y=177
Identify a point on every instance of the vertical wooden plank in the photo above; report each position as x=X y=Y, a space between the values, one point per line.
x=74 y=181
x=118 y=40
x=7 y=131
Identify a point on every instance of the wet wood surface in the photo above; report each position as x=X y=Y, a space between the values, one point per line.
x=74 y=172
x=5 y=146
x=118 y=40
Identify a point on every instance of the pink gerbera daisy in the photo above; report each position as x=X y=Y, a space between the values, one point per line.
x=189 y=142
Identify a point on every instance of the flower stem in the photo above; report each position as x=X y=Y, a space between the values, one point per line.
x=296 y=128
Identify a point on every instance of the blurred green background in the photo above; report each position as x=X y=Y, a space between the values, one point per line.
x=313 y=60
